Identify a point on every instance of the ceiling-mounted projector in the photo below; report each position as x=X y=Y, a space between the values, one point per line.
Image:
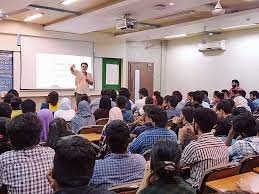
x=126 y=23
x=218 y=10
x=2 y=15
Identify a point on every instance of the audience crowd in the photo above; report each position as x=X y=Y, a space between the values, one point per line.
x=41 y=151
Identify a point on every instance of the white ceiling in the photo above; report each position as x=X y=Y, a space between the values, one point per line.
x=14 y=5
x=105 y=18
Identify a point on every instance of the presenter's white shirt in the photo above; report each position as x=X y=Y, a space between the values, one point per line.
x=82 y=86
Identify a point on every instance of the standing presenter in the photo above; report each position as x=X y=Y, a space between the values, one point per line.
x=82 y=81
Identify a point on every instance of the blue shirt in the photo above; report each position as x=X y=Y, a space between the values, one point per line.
x=173 y=113
x=140 y=129
x=147 y=139
x=116 y=169
x=127 y=116
x=256 y=103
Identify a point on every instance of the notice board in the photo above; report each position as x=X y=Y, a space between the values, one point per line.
x=6 y=71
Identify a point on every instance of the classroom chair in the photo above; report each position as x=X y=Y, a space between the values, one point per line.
x=249 y=163
x=91 y=129
x=102 y=121
x=127 y=188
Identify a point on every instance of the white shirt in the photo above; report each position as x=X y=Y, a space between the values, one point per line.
x=67 y=115
x=139 y=104
x=205 y=104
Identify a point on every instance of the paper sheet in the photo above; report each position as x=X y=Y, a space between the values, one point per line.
x=112 y=74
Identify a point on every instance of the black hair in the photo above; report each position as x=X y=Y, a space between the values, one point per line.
x=158 y=116
x=225 y=92
x=24 y=131
x=254 y=94
x=4 y=141
x=28 y=105
x=157 y=94
x=205 y=93
x=117 y=136
x=159 y=100
x=84 y=63
x=190 y=94
x=178 y=95
x=235 y=81
x=16 y=103
x=14 y=92
x=53 y=98
x=166 y=98
x=74 y=162
x=149 y=100
x=205 y=118
x=188 y=114
x=244 y=124
x=148 y=107
x=239 y=110
x=234 y=192
x=198 y=97
x=57 y=128
x=104 y=92
x=164 y=154
x=225 y=105
x=85 y=97
x=219 y=95
x=105 y=102
x=8 y=97
x=124 y=92
x=121 y=102
x=173 y=101
x=242 y=93
x=5 y=110
x=112 y=94
x=143 y=92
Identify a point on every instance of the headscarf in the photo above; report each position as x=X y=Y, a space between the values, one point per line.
x=240 y=101
x=115 y=114
x=83 y=117
x=46 y=116
x=65 y=104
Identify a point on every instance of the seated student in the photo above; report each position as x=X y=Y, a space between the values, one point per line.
x=28 y=105
x=121 y=102
x=147 y=139
x=160 y=101
x=8 y=97
x=52 y=102
x=24 y=169
x=45 y=116
x=155 y=96
x=164 y=178
x=147 y=121
x=225 y=118
x=251 y=106
x=73 y=167
x=143 y=93
x=254 y=96
x=166 y=105
x=65 y=110
x=125 y=92
x=226 y=94
x=244 y=125
x=104 y=108
x=5 y=110
x=113 y=95
x=181 y=103
x=206 y=96
x=207 y=151
x=14 y=92
x=83 y=117
x=241 y=102
x=57 y=128
x=197 y=100
x=189 y=99
x=5 y=144
x=16 y=106
x=217 y=97
x=172 y=111
x=96 y=102
x=120 y=166
x=149 y=100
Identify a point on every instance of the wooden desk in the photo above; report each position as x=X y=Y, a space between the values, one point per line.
x=256 y=170
x=91 y=136
x=230 y=183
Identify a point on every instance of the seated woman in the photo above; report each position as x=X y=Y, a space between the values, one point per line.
x=104 y=108
x=57 y=128
x=65 y=110
x=5 y=144
x=83 y=117
x=165 y=158
x=52 y=102
x=46 y=116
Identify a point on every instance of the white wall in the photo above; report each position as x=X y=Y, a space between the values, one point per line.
x=187 y=69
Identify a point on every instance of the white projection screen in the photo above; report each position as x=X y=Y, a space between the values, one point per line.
x=45 y=62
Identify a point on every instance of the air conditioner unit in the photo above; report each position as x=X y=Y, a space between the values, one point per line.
x=213 y=46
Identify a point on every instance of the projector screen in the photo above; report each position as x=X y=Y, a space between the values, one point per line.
x=46 y=62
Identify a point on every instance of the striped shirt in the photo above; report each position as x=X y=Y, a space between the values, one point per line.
x=206 y=152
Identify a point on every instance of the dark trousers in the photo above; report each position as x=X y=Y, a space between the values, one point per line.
x=78 y=98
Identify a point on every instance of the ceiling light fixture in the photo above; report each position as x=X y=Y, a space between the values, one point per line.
x=68 y=2
x=33 y=17
x=171 y=4
x=176 y=36
x=241 y=26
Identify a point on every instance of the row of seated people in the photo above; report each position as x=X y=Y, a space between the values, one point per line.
x=209 y=150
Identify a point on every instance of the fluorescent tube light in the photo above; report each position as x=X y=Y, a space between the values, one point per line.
x=33 y=17
x=176 y=36
x=68 y=2
x=241 y=26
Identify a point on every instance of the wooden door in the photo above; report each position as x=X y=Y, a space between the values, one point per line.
x=141 y=75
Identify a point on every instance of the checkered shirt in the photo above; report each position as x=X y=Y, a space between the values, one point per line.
x=24 y=171
x=243 y=148
x=116 y=169
x=147 y=139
